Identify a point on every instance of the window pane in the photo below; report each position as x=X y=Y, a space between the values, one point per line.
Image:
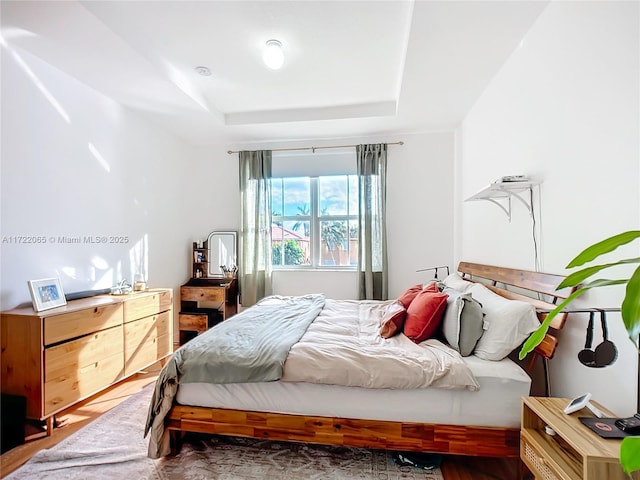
x=332 y=191
x=353 y=242
x=296 y=243
x=334 y=243
x=353 y=195
x=276 y=196
x=326 y=206
x=276 y=243
x=297 y=195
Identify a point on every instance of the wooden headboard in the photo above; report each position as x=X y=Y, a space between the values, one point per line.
x=536 y=288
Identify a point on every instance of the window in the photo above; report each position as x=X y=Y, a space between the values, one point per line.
x=315 y=221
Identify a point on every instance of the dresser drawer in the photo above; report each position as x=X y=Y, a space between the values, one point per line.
x=77 y=369
x=81 y=322
x=148 y=353
x=146 y=328
x=68 y=357
x=90 y=379
x=202 y=294
x=146 y=341
x=146 y=304
x=539 y=466
x=191 y=321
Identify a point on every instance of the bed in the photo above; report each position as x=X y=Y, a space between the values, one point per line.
x=463 y=405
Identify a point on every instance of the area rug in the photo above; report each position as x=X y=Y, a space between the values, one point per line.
x=112 y=447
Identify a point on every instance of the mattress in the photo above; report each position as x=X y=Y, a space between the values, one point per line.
x=496 y=404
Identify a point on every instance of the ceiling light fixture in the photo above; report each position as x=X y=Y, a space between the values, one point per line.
x=204 y=71
x=273 y=56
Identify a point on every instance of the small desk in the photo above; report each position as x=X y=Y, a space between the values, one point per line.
x=205 y=302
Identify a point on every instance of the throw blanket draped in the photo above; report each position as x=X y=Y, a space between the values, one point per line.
x=250 y=347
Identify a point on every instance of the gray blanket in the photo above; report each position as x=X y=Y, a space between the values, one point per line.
x=249 y=347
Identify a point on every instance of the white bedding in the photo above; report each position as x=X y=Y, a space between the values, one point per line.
x=311 y=386
x=343 y=346
x=496 y=404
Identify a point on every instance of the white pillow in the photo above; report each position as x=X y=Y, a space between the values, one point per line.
x=456 y=282
x=507 y=323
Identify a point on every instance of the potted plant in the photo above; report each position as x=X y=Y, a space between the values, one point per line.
x=630 y=311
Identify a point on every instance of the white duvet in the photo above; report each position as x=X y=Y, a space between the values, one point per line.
x=343 y=347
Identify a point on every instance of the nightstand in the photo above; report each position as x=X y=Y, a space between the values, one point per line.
x=574 y=452
x=205 y=302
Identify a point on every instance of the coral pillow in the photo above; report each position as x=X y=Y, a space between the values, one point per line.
x=424 y=315
x=393 y=320
x=431 y=287
x=407 y=297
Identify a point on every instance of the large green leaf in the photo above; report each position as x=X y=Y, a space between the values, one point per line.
x=630 y=454
x=605 y=246
x=581 y=275
x=536 y=337
x=630 y=308
x=601 y=282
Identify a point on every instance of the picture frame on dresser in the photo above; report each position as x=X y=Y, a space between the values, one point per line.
x=46 y=293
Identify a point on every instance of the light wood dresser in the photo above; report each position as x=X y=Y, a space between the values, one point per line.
x=574 y=452
x=58 y=357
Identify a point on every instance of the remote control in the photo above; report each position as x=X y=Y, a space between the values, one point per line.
x=629 y=425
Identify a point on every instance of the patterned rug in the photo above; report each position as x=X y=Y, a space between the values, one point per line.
x=112 y=447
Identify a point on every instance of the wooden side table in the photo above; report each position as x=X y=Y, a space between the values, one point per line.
x=205 y=302
x=574 y=452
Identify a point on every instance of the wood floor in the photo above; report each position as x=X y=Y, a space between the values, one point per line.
x=453 y=467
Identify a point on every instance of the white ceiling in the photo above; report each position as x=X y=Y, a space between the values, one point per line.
x=351 y=68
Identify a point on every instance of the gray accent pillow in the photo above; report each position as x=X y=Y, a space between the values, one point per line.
x=462 y=324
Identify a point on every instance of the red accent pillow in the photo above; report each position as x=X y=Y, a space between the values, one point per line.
x=432 y=287
x=393 y=320
x=407 y=297
x=424 y=315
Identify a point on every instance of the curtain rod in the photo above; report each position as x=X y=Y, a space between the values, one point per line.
x=313 y=149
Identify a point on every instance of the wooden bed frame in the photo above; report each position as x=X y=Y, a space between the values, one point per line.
x=407 y=436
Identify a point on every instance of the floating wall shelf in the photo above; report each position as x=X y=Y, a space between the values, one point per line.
x=499 y=191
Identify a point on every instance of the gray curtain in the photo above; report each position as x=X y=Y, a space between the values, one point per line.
x=372 y=256
x=255 y=233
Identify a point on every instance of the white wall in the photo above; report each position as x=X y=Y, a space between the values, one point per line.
x=564 y=109
x=419 y=216
x=138 y=181
x=76 y=164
